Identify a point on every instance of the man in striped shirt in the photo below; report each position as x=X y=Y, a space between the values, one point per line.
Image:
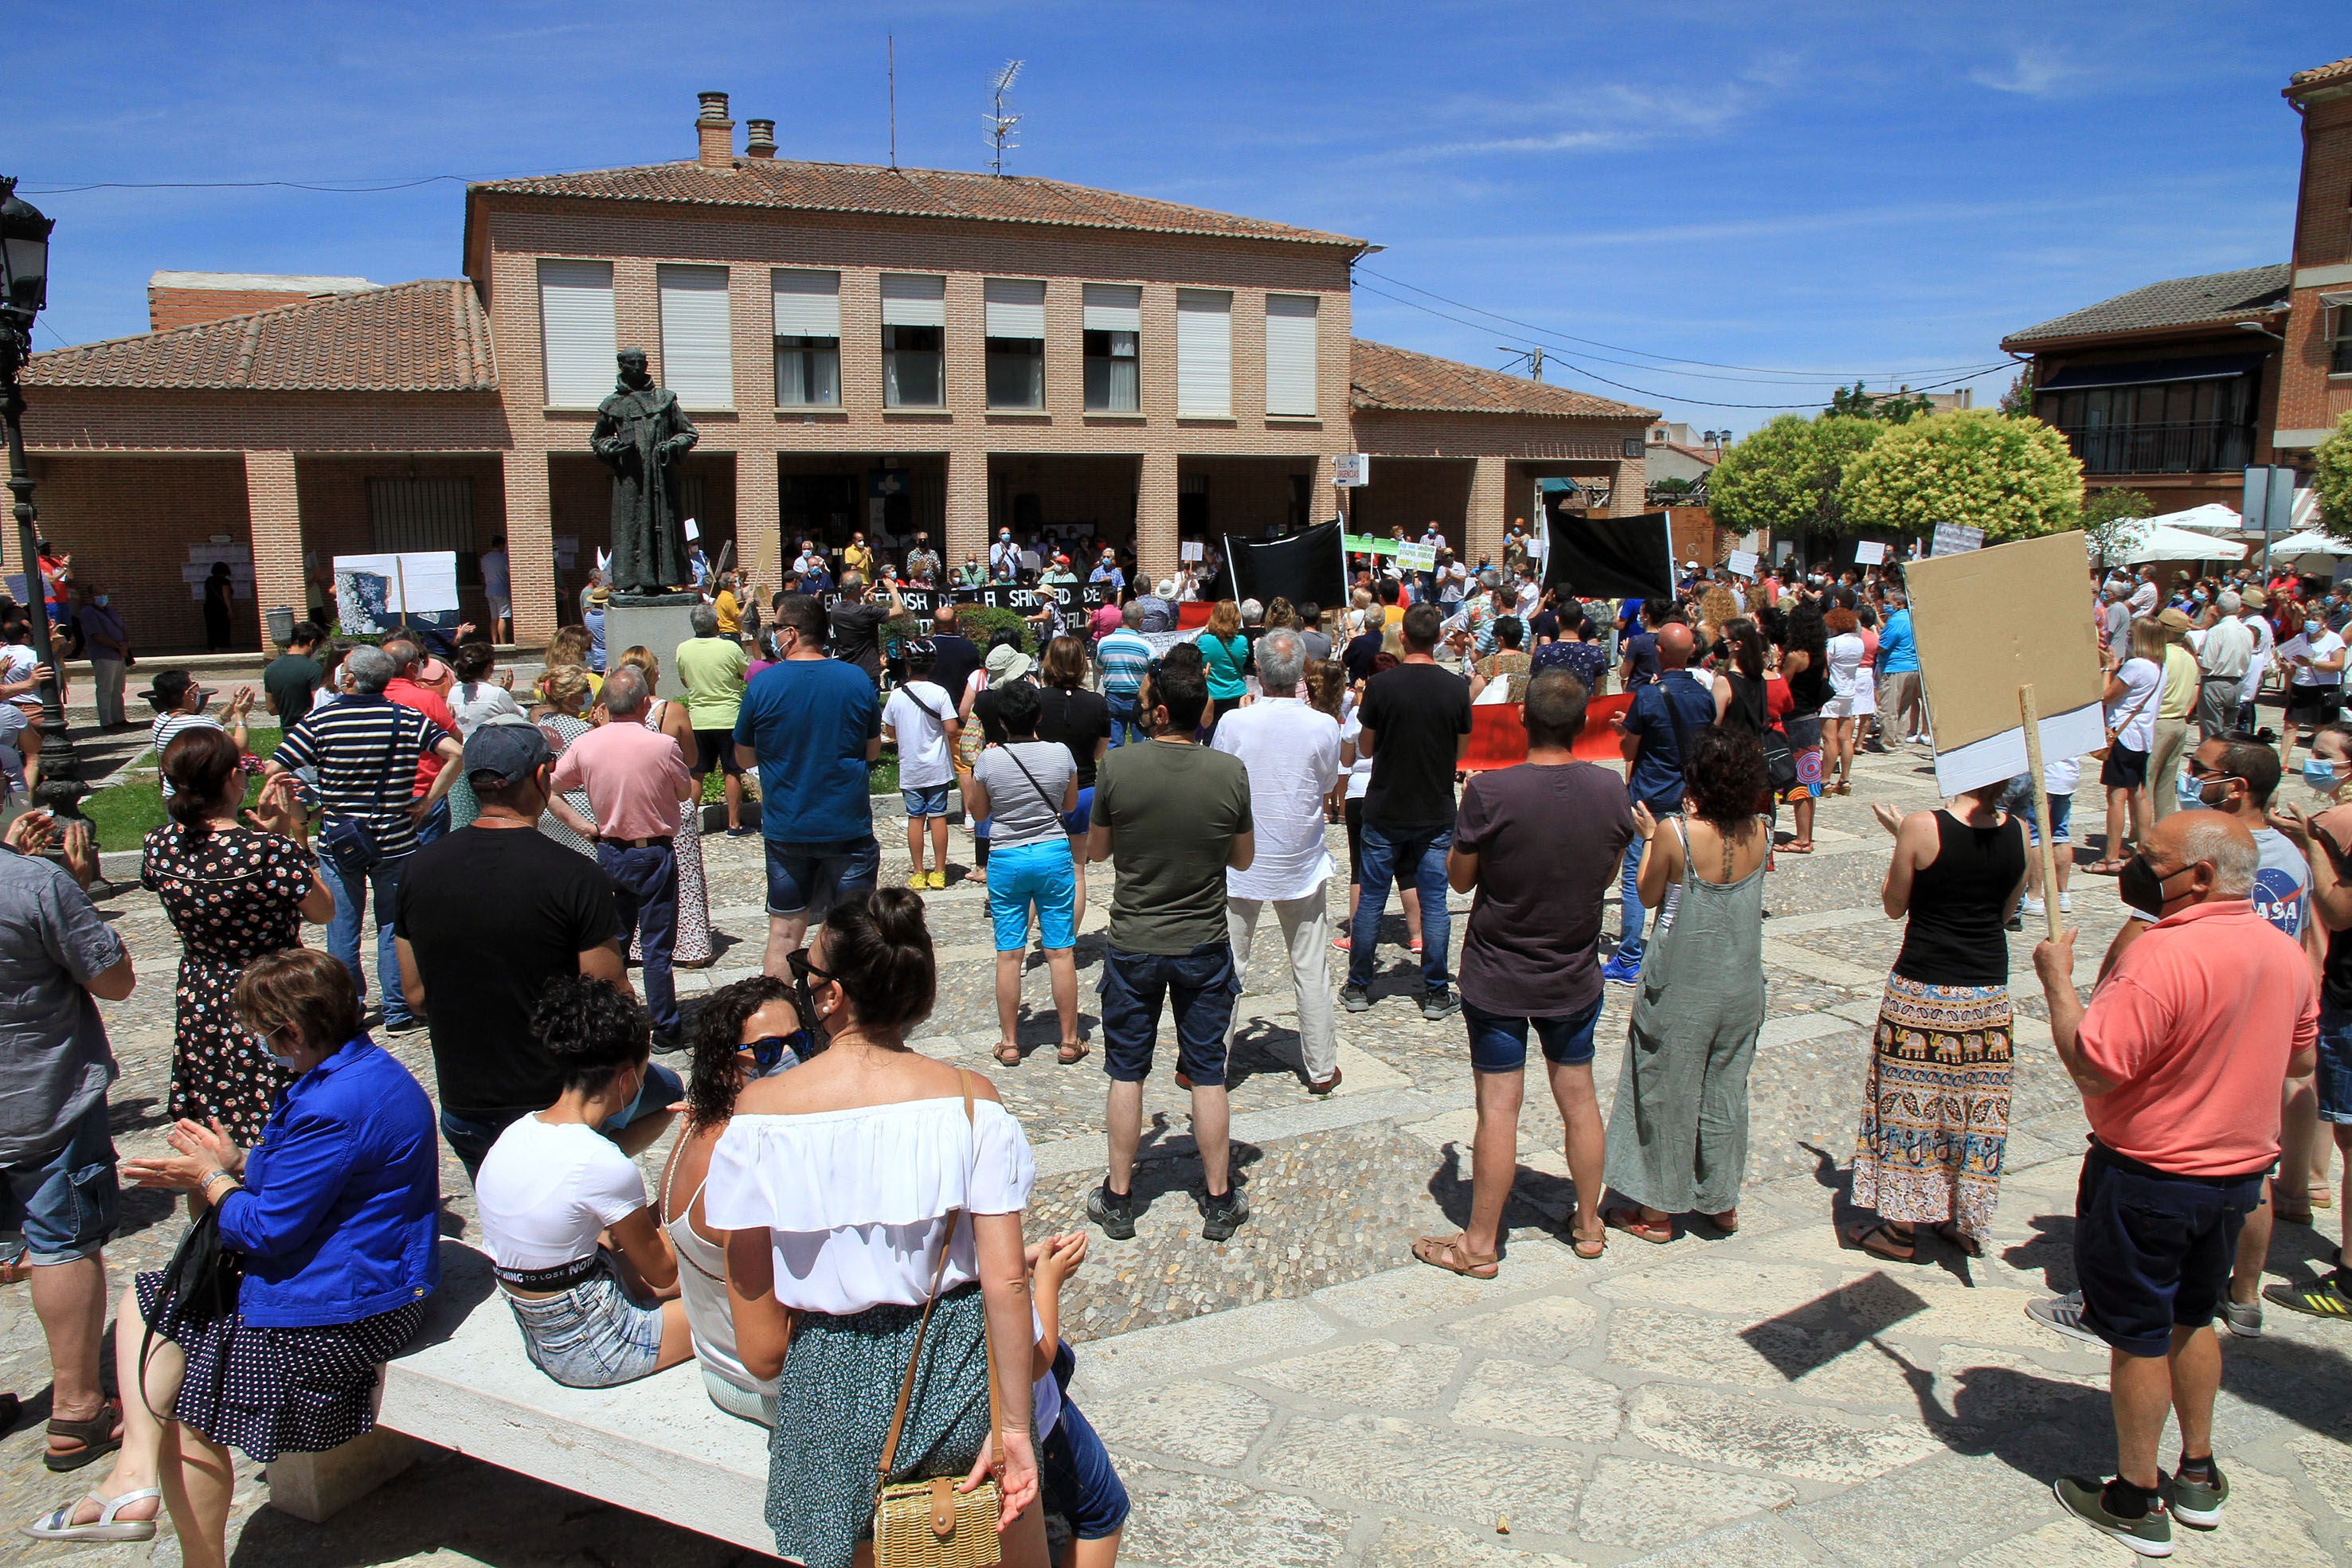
x=363 y=749
x=1124 y=658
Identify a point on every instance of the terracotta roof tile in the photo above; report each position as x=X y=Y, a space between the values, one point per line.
x=2336 y=70
x=1382 y=377
x=2215 y=296
x=426 y=336
x=900 y=192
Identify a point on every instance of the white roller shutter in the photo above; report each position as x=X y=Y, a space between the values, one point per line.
x=1016 y=308
x=1290 y=353
x=698 y=358
x=1204 y=353
x=914 y=299
x=808 y=304
x=575 y=328
x=1114 y=307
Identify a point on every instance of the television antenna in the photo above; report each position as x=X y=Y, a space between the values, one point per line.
x=1000 y=124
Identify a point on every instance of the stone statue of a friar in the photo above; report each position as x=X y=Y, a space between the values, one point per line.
x=640 y=434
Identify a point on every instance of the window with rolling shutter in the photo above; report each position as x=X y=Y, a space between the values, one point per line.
x=1290 y=353
x=914 y=320
x=698 y=356
x=421 y=515
x=575 y=327
x=1204 y=353
x=808 y=338
x=1112 y=325
x=1015 y=310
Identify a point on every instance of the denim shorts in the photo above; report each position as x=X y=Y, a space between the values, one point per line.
x=1076 y=823
x=593 y=1336
x=2153 y=1251
x=1498 y=1043
x=810 y=879
x=2333 y=1077
x=2018 y=802
x=1026 y=874
x=1074 y=1472
x=63 y=1207
x=921 y=802
x=1136 y=985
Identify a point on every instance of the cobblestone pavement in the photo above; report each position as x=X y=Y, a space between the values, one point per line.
x=1305 y=1394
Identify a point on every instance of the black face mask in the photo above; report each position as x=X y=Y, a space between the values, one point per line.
x=2139 y=887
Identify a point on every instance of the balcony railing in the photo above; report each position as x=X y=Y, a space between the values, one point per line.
x=2197 y=447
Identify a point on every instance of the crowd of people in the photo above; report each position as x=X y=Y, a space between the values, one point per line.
x=836 y=1209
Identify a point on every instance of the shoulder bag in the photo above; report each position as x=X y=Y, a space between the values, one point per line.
x=928 y=1523
x=200 y=1286
x=2117 y=729
x=1052 y=810
x=351 y=842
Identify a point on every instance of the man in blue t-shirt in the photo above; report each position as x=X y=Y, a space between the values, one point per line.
x=1650 y=735
x=812 y=725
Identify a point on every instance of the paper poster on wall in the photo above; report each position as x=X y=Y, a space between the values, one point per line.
x=225 y=551
x=1870 y=552
x=375 y=594
x=1988 y=621
x=1742 y=563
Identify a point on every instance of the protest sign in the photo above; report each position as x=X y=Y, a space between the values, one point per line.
x=1190 y=550
x=379 y=594
x=1870 y=552
x=1742 y=563
x=1366 y=544
x=1955 y=538
x=1352 y=469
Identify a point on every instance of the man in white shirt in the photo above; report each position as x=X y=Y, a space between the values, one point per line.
x=1530 y=594
x=2258 y=662
x=2221 y=659
x=2144 y=597
x=808 y=560
x=498 y=588
x=920 y=717
x=1004 y=556
x=1292 y=753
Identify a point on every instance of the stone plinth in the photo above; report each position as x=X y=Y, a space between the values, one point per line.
x=659 y=621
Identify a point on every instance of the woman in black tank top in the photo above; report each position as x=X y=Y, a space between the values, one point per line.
x=1935 y=1116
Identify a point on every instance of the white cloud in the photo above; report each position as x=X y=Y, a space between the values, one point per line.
x=2033 y=72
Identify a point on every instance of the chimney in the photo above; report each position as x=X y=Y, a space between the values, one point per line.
x=716 y=132
x=760 y=138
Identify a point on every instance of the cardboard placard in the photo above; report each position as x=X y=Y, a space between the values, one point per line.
x=1988 y=622
x=1742 y=563
x=1870 y=552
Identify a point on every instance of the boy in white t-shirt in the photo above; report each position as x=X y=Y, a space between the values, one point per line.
x=921 y=718
x=2059 y=776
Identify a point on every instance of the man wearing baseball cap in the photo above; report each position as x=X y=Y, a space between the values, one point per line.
x=2174 y=705
x=487 y=916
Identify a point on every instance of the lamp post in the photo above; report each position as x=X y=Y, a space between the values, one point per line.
x=23 y=290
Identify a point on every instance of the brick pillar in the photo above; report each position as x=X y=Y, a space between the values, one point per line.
x=1155 y=513
x=273 y=518
x=967 y=506
x=759 y=519
x=1482 y=530
x=1629 y=496
x=530 y=545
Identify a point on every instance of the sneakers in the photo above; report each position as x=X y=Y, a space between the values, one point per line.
x=1624 y=972
x=1436 y=1005
x=2064 y=1314
x=2244 y=1320
x=2196 y=1504
x=2065 y=903
x=918 y=881
x=934 y=880
x=397 y=1027
x=2150 y=1535
x=2032 y=904
x=2320 y=1299
x=1356 y=999
x=1221 y=1217
x=1342 y=942
x=1115 y=1212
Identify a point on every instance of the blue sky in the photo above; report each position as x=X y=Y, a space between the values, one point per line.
x=1810 y=189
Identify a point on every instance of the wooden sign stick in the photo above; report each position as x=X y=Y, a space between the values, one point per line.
x=2048 y=860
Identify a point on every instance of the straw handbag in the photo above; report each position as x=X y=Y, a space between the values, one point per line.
x=929 y=1524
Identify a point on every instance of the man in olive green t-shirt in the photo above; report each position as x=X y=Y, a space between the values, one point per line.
x=711 y=669
x=1174 y=815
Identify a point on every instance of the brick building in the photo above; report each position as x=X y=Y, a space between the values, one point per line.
x=861 y=348
x=2173 y=389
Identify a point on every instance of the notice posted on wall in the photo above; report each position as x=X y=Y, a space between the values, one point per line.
x=202 y=558
x=1870 y=552
x=378 y=594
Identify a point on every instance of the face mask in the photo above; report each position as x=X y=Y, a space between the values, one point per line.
x=1004 y=538
x=2320 y=774
x=2198 y=597
x=2139 y=887
x=100 y=600
x=2313 y=628
x=2192 y=790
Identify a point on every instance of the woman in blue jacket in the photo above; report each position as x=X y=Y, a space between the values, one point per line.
x=333 y=1214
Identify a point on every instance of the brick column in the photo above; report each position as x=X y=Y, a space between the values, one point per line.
x=530 y=545
x=967 y=506
x=1483 y=527
x=1155 y=512
x=273 y=518
x=759 y=518
x=1629 y=497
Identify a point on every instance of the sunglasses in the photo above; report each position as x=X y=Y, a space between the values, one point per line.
x=798 y=960
x=767 y=1051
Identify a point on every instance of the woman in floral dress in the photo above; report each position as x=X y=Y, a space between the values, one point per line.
x=232 y=893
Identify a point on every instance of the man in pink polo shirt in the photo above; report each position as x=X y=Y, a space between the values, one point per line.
x=2180 y=1058
x=636 y=778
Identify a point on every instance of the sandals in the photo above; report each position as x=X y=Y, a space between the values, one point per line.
x=1008 y=1054
x=1631 y=1222
x=1967 y=1245
x=1879 y=1239
x=1588 y=1246
x=58 y=1524
x=1069 y=1051
x=1727 y=1221
x=1796 y=849
x=2105 y=868
x=99 y=1435
x=1452 y=1254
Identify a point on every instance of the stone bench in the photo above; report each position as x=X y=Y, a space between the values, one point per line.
x=654 y=1446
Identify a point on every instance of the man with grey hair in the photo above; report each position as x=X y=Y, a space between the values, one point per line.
x=365 y=750
x=2180 y=1058
x=636 y=781
x=2226 y=649
x=856 y=624
x=1291 y=751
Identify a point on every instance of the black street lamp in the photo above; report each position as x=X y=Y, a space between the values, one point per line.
x=23 y=290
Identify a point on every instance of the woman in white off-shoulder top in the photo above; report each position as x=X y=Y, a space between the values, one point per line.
x=839 y=1182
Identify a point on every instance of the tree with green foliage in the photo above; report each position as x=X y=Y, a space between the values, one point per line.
x=1890 y=408
x=2017 y=400
x=1788 y=477
x=2331 y=476
x=2112 y=523
x=2013 y=478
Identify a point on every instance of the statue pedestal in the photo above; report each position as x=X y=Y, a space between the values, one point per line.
x=659 y=621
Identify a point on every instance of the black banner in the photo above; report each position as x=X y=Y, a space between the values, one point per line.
x=1085 y=596
x=1620 y=558
x=1309 y=566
